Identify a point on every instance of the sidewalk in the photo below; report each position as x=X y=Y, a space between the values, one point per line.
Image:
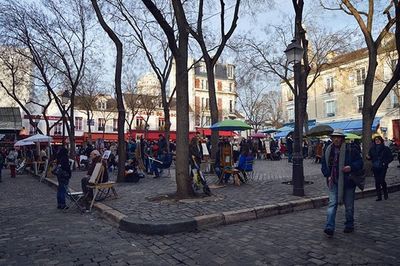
x=136 y=209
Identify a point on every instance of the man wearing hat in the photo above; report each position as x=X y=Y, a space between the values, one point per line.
x=338 y=161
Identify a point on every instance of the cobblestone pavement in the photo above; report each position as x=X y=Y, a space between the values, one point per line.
x=33 y=232
x=265 y=188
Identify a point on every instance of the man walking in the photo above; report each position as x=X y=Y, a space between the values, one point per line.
x=338 y=161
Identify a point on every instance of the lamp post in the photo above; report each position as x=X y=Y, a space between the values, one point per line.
x=65 y=96
x=294 y=53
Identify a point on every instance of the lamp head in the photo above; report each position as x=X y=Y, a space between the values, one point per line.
x=294 y=52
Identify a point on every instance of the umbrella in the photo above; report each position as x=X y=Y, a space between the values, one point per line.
x=258 y=135
x=320 y=130
x=38 y=138
x=270 y=130
x=23 y=143
x=352 y=136
x=230 y=125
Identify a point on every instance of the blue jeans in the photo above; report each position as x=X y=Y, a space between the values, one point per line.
x=61 y=191
x=348 y=200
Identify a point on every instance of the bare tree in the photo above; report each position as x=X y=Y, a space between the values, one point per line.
x=252 y=102
x=118 y=91
x=179 y=48
x=55 y=38
x=147 y=37
x=211 y=60
x=273 y=102
x=365 y=16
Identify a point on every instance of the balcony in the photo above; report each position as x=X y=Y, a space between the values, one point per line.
x=329 y=89
x=330 y=114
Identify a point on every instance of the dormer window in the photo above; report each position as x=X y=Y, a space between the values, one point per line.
x=102 y=105
x=230 y=71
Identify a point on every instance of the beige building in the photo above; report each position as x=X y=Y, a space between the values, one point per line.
x=336 y=97
x=226 y=93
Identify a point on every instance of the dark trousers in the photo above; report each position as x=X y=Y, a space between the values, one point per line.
x=12 y=170
x=61 y=191
x=86 y=191
x=380 y=183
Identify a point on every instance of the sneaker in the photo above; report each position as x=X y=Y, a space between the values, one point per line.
x=328 y=232
x=348 y=230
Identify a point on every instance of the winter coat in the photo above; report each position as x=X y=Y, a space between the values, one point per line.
x=380 y=155
x=353 y=159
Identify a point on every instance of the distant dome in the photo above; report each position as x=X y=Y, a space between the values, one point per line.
x=148 y=84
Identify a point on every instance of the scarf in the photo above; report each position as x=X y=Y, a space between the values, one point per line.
x=342 y=157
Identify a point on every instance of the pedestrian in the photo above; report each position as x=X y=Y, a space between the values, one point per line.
x=12 y=161
x=381 y=157
x=338 y=162
x=63 y=174
x=95 y=157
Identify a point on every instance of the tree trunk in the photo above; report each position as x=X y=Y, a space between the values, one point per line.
x=118 y=91
x=213 y=105
x=183 y=180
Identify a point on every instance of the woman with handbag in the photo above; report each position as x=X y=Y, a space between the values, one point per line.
x=381 y=156
x=63 y=173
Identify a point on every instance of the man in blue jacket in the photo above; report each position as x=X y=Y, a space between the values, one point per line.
x=338 y=162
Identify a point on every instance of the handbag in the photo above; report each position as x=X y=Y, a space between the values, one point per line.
x=358 y=177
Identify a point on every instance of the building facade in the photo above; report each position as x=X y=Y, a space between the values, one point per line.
x=337 y=94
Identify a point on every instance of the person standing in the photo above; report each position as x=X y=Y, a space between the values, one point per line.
x=381 y=157
x=12 y=161
x=338 y=162
x=63 y=176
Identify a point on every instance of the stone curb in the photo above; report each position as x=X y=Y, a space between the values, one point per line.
x=134 y=225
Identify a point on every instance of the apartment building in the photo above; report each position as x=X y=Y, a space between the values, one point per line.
x=336 y=97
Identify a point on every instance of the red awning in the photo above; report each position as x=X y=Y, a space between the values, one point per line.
x=207 y=132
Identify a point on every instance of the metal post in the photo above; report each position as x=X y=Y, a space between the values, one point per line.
x=63 y=124
x=298 y=172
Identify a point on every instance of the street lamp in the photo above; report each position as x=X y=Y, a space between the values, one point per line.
x=294 y=53
x=65 y=96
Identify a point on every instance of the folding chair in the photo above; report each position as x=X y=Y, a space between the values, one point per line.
x=73 y=198
x=248 y=171
x=100 y=190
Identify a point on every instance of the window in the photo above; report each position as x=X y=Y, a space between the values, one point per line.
x=115 y=124
x=290 y=114
x=329 y=84
x=207 y=104
x=139 y=121
x=78 y=123
x=395 y=97
x=393 y=64
x=330 y=108
x=361 y=76
x=101 y=124
x=202 y=68
x=203 y=105
x=230 y=71
x=204 y=84
x=102 y=105
x=360 y=103
x=161 y=123
x=208 y=121
x=58 y=129
x=230 y=87
x=230 y=106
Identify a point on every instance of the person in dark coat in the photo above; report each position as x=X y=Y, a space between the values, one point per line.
x=95 y=157
x=338 y=162
x=381 y=157
x=63 y=176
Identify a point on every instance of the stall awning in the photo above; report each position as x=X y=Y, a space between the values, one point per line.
x=354 y=125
